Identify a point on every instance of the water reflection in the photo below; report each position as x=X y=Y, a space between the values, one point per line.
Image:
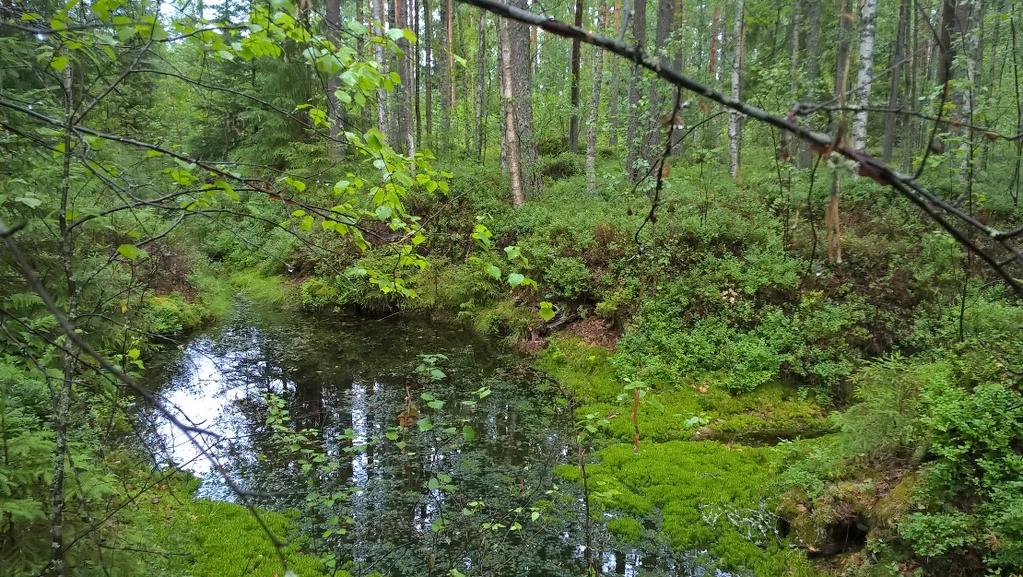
x=349 y=382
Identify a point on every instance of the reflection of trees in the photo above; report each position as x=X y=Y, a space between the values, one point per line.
x=335 y=379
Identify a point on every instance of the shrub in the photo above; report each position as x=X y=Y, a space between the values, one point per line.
x=170 y=314
x=564 y=165
x=567 y=278
x=886 y=416
x=318 y=293
x=935 y=534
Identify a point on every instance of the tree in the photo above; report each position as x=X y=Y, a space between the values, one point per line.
x=522 y=94
x=592 y=124
x=380 y=19
x=573 y=126
x=446 y=73
x=832 y=216
x=508 y=104
x=665 y=23
x=481 y=83
x=405 y=102
x=734 y=118
x=429 y=66
x=332 y=20
x=865 y=75
x=633 y=139
x=897 y=77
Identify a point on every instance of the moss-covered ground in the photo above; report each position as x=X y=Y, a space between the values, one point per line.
x=692 y=483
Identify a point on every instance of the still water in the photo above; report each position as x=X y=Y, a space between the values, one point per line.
x=402 y=463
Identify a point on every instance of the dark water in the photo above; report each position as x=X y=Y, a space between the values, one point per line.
x=474 y=490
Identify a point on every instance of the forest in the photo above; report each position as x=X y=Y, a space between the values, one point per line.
x=304 y=288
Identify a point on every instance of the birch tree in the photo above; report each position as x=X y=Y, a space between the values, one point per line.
x=734 y=118
x=865 y=73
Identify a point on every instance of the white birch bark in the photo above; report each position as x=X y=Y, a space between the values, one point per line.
x=734 y=118
x=865 y=73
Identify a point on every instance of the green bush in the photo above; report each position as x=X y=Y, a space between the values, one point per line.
x=564 y=165
x=886 y=416
x=170 y=314
x=318 y=293
x=935 y=534
x=567 y=278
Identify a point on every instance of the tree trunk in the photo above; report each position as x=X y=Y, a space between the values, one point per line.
x=813 y=67
x=508 y=103
x=61 y=394
x=711 y=132
x=428 y=30
x=406 y=127
x=522 y=92
x=446 y=75
x=378 y=16
x=451 y=55
x=400 y=112
x=865 y=74
x=592 y=128
x=417 y=70
x=614 y=85
x=502 y=116
x=679 y=65
x=734 y=118
x=832 y=217
x=945 y=49
x=972 y=22
x=897 y=66
x=573 y=125
x=665 y=21
x=481 y=61
x=332 y=19
x=633 y=140
x=360 y=17
x=792 y=141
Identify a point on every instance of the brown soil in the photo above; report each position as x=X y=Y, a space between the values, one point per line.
x=595 y=332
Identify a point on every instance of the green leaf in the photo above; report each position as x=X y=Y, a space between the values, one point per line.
x=59 y=63
x=425 y=424
x=547 y=311
x=29 y=201
x=468 y=433
x=130 y=251
x=515 y=279
x=494 y=271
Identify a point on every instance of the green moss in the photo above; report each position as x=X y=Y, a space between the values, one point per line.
x=504 y=319
x=218 y=539
x=707 y=496
x=226 y=539
x=583 y=370
x=626 y=529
